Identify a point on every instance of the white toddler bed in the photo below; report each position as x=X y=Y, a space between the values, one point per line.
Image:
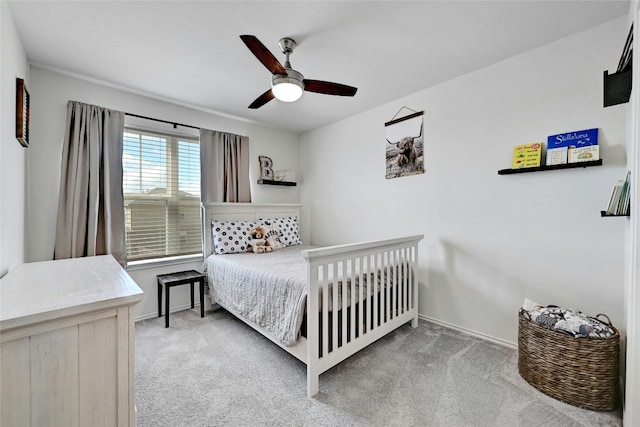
x=376 y=292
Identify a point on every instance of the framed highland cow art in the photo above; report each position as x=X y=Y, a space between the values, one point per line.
x=404 y=154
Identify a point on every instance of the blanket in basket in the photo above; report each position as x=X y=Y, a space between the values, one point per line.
x=569 y=321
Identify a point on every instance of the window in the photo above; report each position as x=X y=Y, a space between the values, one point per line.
x=161 y=186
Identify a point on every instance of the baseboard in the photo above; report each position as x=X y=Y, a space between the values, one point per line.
x=480 y=335
x=173 y=310
x=425 y=318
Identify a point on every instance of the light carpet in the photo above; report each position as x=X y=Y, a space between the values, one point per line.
x=217 y=371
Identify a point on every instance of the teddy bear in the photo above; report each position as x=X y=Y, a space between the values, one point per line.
x=258 y=243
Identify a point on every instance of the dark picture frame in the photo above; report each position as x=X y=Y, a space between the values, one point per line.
x=22 y=113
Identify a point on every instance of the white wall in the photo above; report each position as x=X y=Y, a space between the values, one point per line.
x=490 y=240
x=632 y=279
x=50 y=92
x=13 y=157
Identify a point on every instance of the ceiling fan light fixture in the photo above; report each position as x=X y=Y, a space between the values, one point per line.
x=287 y=92
x=287 y=88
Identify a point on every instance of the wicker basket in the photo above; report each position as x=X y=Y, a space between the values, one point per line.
x=579 y=371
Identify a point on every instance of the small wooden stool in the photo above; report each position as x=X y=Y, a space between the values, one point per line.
x=176 y=279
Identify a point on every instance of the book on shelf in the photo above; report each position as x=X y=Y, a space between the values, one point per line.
x=584 y=154
x=627 y=53
x=615 y=196
x=623 y=204
x=576 y=139
x=527 y=155
x=620 y=197
x=557 y=156
x=581 y=146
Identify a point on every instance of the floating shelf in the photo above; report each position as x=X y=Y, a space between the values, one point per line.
x=271 y=182
x=552 y=167
x=605 y=214
x=617 y=87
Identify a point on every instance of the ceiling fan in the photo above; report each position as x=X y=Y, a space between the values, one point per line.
x=287 y=84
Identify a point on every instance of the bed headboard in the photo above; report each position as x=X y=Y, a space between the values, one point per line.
x=241 y=212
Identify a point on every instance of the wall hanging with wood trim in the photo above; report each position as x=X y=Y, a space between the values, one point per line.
x=22 y=113
x=405 y=145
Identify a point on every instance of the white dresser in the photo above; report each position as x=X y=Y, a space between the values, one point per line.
x=67 y=344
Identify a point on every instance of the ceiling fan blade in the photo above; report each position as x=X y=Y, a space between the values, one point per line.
x=263 y=54
x=329 y=88
x=262 y=99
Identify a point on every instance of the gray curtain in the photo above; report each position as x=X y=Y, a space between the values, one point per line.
x=91 y=207
x=224 y=167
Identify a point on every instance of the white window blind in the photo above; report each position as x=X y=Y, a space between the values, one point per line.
x=161 y=186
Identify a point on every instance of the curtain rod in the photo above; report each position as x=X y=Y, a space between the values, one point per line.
x=175 y=124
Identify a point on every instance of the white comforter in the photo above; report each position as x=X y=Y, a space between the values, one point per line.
x=268 y=289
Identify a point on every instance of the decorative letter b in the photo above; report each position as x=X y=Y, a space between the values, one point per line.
x=265 y=167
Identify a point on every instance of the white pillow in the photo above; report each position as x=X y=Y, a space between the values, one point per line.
x=231 y=237
x=288 y=226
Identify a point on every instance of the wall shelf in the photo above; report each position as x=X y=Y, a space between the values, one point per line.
x=271 y=182
x=552 y=167
x=605 y=214
x=617 y=87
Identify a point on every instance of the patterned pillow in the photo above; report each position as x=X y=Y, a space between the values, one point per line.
x=289 y=229
x=231 y=237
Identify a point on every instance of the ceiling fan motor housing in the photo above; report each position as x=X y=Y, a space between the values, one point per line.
x=287 y=45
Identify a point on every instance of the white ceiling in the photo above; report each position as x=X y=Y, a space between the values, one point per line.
x=190 y=53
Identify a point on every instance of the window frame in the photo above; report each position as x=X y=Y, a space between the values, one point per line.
x=174 y=137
